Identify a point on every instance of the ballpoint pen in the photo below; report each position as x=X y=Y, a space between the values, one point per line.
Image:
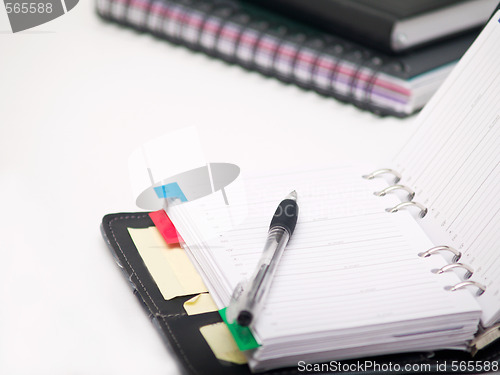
x=248 y=297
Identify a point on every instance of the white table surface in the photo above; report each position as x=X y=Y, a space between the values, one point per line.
x=76 y=97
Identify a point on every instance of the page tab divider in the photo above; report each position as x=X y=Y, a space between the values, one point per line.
x=242 y=335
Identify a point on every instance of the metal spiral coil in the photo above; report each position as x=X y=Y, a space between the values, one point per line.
x=464 y=284
x=449 y=267
x=378 y=172
x=457 y=254
x=400 y=206
x=390 y=189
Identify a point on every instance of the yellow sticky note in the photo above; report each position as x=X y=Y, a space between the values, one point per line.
x=222 y=343
x=202 y=303
x=169 y=266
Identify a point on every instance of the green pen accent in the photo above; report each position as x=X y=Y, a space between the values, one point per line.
x=242 y=335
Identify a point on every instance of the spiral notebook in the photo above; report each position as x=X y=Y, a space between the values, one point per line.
x=260 y=40
x=377 y=264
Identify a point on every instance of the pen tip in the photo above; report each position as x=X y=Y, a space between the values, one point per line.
x=292 y=195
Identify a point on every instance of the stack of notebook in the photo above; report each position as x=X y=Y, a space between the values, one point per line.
x=261 y=40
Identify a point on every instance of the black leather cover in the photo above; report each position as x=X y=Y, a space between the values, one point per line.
x=365 y=21
x=182 y=335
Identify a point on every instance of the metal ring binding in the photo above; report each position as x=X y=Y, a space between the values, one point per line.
x=282 y=31
x=225 y=15
x=178 y=10
x=457 y=254
x=357 y=55
x=164 y=21
x=127 y=7
x=261 y=29
x=449 y=267
x=375 y=65
x=378 y=172
x=207 y=14
x=481 y=288
x=390 y=189
x=184 y=20
x=302 y=40
x=363 y=58
x=333 y=76
x=396 y=208
x=147 y=14
x=469 y=271
x=316 y=45
x=244 y=19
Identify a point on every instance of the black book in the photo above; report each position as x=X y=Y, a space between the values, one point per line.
x=389 y=25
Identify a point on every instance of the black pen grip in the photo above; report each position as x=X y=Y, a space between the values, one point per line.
x=286 y=215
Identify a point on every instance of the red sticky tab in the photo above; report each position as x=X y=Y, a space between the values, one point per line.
x=165 y=226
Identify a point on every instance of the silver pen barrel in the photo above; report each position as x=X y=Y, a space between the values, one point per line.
x=260 y=282
x=248 y=297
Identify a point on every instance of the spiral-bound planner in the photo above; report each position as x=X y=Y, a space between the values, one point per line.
x=259 y=40
x=377 y=264
x=182 y=329
x=394 y=266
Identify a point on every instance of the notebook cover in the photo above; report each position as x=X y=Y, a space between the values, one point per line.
x=187 y=22
x=183 y=338
x=367 y=21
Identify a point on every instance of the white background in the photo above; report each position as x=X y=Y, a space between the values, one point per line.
x=77 y=95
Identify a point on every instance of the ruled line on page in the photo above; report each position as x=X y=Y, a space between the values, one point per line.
x=355 y=261
x=452 y=163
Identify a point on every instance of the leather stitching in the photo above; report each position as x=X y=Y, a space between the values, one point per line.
x=186 y=360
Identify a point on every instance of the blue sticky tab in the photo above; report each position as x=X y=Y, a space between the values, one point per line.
x=171 y=190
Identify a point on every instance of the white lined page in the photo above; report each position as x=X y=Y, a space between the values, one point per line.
x=347 y=256
x=453 y=163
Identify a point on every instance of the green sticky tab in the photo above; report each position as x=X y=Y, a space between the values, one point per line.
x=242 y=335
